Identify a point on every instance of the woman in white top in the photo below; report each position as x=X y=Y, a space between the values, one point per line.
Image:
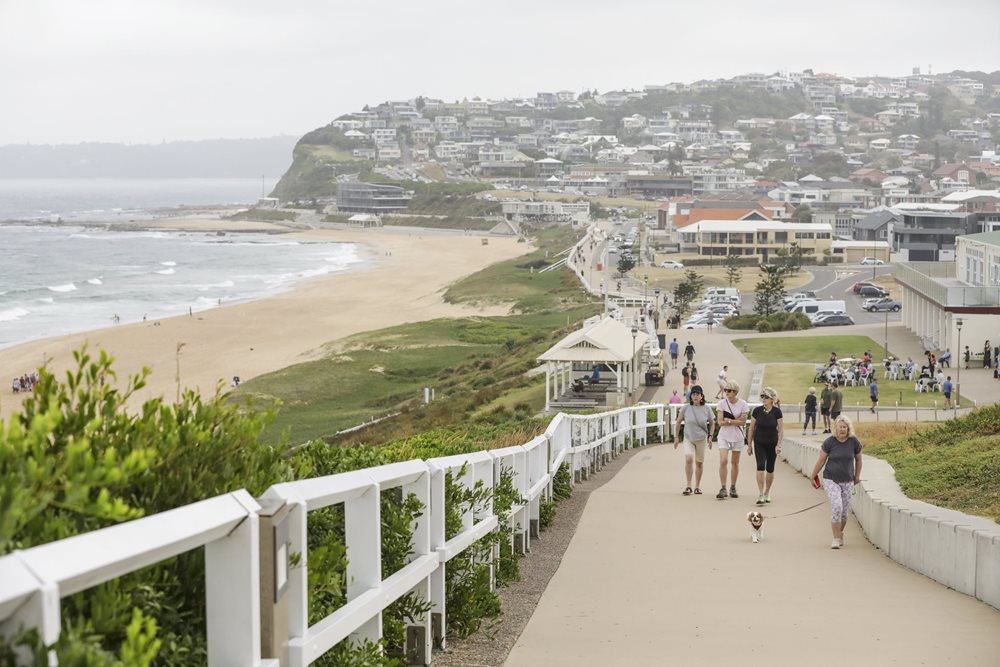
x=732 y=414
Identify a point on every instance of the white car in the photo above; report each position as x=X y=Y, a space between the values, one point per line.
x=671 y=264
x=871 y=261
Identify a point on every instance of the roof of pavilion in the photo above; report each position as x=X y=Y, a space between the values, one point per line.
x=604 y=341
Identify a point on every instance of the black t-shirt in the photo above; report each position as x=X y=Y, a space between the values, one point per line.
x=811 y=403
x=765 y=430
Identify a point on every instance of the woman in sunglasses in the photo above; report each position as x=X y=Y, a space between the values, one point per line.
x=732 y=414
x=767 y=430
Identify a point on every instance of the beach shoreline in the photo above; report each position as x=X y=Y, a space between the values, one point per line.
x=407 y=272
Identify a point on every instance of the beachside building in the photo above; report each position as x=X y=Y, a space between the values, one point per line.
x=937 y=294
x=360 y=197
x=755 y=237
x=547 y=211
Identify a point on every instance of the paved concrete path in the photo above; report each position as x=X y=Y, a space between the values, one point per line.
x=652 y=577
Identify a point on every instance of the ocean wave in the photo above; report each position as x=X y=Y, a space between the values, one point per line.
x=95 y=281
x=12 y=314
x=166 y=272
x=169 y=263
x=68 y=287
x=224 y=283
x=47 y=299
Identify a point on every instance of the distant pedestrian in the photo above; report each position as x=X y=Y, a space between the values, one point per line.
x=697 y=420
x=686 y=377
x=694 y=373
x=873 y=392
x=721 y=380
x=946 y=390
x=674 y=349
x=840 y=461
x=968 y=356
x=987 y=353
x=675 y=398
x=836 y=402
x=811 y=411
x=689 y=351
x=825 y=398
x=767 y=430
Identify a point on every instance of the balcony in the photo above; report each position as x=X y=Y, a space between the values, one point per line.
x=937 y=281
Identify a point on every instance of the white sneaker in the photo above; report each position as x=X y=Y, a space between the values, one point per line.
x=841 y=540
x=835 y=545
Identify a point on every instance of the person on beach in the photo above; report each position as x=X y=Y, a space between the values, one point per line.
x=674 y=349
x=825 y=398
x=732 y=416
x=689 y=351
x=767 y=430
x=811 y=411
x=946 y=388
x=836 y=402
x=840 y=461
x=696 y=417
x=873 y=392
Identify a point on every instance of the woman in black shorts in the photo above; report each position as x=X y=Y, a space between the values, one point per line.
x=767 y=430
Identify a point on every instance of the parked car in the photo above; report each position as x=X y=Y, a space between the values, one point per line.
x=800 y=296
x=833 y=321
x=671 y=264
x=872 y=290
x=872 y=305
x=822 y=314
x=857 y=286
x=871 y=261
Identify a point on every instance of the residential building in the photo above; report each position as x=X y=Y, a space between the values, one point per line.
x=361 y=197
x=656 y=186
x=547 y=211
x=927 y=232
x=705 y=179
x=842 y=221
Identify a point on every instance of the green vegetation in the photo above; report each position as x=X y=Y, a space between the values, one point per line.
x=955 y=464
x=766 y=323
x=807 y=349
x=450 y=199
x=438 y=222
x=266 y=214
x=770 y=289
x=793 y=380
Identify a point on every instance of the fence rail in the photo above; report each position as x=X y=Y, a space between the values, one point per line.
x=246 y=590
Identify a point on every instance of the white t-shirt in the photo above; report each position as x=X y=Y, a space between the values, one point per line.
x=740 y=407
x=722 y=378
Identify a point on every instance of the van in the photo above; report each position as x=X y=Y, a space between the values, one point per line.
x=813 y=307
x=722 y=291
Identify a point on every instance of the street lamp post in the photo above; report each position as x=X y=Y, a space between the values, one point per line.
x=632 y=383
x=886 y=346
x=958 y=381
x=645 y=285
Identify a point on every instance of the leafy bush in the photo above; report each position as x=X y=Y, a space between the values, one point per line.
x=773 y=322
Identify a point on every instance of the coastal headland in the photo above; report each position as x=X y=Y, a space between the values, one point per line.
x=409 y=270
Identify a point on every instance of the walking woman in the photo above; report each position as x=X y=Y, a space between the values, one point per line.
x=697 y=420
x=767 y=430
x=811 y=410
x=840 y=460
x=732 y=414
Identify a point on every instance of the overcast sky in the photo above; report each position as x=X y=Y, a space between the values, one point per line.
x=151 y=70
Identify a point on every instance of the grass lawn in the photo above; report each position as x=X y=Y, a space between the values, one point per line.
x=955 y=464
x=807 y=349
x=792 y=381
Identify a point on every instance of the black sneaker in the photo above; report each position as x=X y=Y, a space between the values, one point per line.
x=721 y=494
x=732 y=492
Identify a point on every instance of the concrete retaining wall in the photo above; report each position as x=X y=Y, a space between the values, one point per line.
x=960 y=551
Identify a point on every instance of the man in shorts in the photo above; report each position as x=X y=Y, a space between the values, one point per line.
x=836 y=402
x=873 y=392
x=824 y=405
x=946 y=388
x=674 y=350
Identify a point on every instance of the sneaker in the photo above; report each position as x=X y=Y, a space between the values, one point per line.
x=732 y=492
x=760 y=499
x=721 y=494
x=803 y=432
x=814 y=432
x=835 y=545
x=767 y=497
x=687 y=491
x=841 y=540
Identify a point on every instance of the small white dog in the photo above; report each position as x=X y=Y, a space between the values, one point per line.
x=756 y=520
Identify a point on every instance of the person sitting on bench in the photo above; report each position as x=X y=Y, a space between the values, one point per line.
x=578 y=386
x=595 y=377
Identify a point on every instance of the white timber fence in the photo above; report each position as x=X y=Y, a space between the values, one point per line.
x=256 y=555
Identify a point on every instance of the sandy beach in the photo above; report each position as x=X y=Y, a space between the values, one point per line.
x=411 y=269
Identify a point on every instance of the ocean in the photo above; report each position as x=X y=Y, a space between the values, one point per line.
x=58 y=279
x=120 y=198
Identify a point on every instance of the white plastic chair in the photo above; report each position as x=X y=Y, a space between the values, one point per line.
x=850 y=380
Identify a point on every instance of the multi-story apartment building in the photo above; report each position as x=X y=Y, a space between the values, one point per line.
x=547 y=211
x=360 y=197
x=656 y=186
x=755 y=237
x=705 y=178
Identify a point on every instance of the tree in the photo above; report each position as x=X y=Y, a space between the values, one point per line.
x=687 y=291
x=733 y=272
x=625 y=264
x=790 y=258
x=769 y=290
x=803 y=214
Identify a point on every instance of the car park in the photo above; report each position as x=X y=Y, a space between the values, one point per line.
x=857 y=286
x=871 y=261
x=873 y=305
x=872 y=290
x=833 y=321
x=671 y=264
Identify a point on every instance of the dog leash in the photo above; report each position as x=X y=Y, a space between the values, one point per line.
x=794 y=513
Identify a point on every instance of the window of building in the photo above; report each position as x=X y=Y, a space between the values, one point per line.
x=781 y=237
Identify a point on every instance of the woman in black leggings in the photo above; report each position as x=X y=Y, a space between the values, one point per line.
x=767 y=430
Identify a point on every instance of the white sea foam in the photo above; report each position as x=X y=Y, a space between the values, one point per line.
x=68 y=287
x=166 y=272
x=47 y=299
x=12 y=314
x=95 y=281
x=169 y=263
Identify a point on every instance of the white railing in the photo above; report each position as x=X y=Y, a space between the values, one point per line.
x=33 y=581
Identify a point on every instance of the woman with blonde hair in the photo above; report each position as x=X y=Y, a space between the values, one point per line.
x=840 y=461
x=731 y=412
x=767 y=430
